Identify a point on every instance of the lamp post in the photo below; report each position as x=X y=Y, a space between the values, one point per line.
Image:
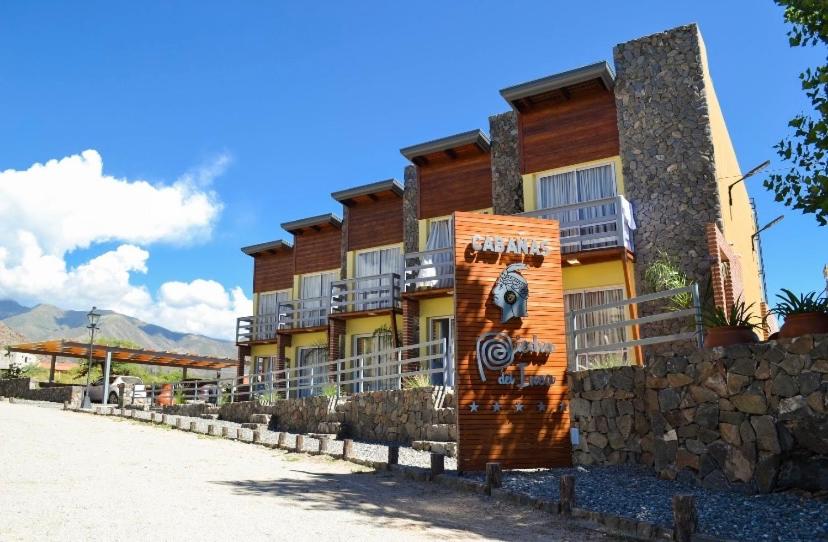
x=93 y=318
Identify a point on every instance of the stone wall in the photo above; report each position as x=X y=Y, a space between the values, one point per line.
x=507 y=183
x=26 y=388
x=753 y=417
x=401 y=416
x=411 y=194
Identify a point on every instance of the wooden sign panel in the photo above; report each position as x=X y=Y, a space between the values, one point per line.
x=510 y=343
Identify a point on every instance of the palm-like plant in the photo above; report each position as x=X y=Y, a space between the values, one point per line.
x=790 y=303
x=739 y=315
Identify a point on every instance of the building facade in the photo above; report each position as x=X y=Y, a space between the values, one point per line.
x=632 y=159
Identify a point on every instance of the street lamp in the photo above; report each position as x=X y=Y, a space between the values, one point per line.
x=93 y=318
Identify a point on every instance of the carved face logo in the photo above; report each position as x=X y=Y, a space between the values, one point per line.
x=511 y=293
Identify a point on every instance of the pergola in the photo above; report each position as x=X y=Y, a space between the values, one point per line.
x=70 y=349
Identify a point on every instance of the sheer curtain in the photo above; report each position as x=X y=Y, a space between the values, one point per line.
x=439 y=236
x=582 y=300
x=597 y=183
x=267 y=314
x=377 y=262
x=315 y=286
x=375 y=350
x=312 y=372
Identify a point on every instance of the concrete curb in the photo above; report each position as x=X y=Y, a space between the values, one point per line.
x=590 y=519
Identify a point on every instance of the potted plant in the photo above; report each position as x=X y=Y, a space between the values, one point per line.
x=733 y=326
x=803 y=314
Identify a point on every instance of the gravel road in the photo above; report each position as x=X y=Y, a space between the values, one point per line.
x=69 y=476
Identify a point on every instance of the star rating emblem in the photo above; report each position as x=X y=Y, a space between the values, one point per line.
x=518 y=407
x=474 y=406
x=541 y=407
x=496 y=406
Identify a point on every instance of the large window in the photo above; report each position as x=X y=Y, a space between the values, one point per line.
x=315 y=291
x=440 y=235
x=312 y=371
x=376 y=362
x=594 y=298
x=581 y=186
x=267 y=313
x=370 y=264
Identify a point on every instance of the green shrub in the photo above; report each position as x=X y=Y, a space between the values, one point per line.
x=790 y=303
x=739 y=315
x=416 y=381
x=664 y=274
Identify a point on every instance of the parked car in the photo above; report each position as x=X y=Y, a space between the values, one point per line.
x=139 y=391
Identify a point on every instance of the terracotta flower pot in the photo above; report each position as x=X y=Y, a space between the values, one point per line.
x=806 y=323
x=727 y=335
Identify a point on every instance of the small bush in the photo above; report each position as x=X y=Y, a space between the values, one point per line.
x=416 y=381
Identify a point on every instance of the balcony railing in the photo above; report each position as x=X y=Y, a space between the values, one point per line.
x=261 y=327
x=370 y=293
x=429 y=269
x=304 y=313
x=601 y=223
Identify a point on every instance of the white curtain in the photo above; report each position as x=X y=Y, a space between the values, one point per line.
x=312 y=371
x=267 y=314
x=580 y=186
x=582 y=300
x=439 y=236
x=315 y=286
x=375 y=350
x=377 y=262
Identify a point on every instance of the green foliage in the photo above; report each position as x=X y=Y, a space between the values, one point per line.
x=330 y=390
x=416 y=381
x=790 y=303
x=178 y=396
x=606 y=361
x=664 y=274
x=739 y=315
x=14 y=370
x=805 y=185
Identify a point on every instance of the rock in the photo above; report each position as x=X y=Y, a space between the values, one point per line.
x=688 y=431
x=763 y=371
x=676 y=380
x=736 y=382
x=817 y=401
x=695 y=446
x=809 y=382
x=792 y=407
x=752 y=403
x=668 y=399
x=608 y=407
x=737 y=466
x=800 y=345
x=708 y=435
x=784 y=385
x=620 y=380
x=803 y=471
x=707 y=415
x=600 y=379
x=730 y=434
x=743 y=366
x=716 y=382
x=685 y=459
x=665 y=453
x=625 y=424
x=579 y=407
x=746 y=432
x=731 y=417
x=765 y=474
x=766 y=436
x=715 y=480
x=703 y=395
x=616 y=441
x=811 y=433
x=598 y=440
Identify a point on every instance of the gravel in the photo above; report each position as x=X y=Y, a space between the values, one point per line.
x=637 y=493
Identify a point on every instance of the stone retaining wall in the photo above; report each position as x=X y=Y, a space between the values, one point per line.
x=401 y=416
x=26 y=388
x=753 y=417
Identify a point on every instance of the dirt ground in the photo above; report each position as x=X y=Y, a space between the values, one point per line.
x=69 y=476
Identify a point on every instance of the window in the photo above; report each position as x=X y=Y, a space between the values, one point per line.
x=380 y=290
x=267 y=313
x=312 y=371
x=595 y=298
x=438 y=329
x=315 y=291
x=440 y=235
x=376 y=362
x=264 y=367
x=580 y=186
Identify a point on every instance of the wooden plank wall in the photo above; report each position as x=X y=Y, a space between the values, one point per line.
x=558 y=133
x=375 y=223
x=317 y=250
x=273 y=271
x=532 y=438
x=461 y=182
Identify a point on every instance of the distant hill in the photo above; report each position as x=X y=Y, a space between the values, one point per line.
x=9 y=336
x=49 y=322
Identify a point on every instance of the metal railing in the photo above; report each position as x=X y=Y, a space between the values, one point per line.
x=579 y=354
x=366 y=293
x=429 y=269
x=384 y=370
x=591 y=225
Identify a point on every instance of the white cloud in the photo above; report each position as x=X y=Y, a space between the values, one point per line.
x=52 y=209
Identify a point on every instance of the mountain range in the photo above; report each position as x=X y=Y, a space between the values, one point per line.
x=44 y=322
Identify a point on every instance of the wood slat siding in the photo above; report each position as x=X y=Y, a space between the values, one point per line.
x=556 y=133
x=531 y=438
x=375 y=223
x=455 y=184
x=273 y=271
x=317 y=251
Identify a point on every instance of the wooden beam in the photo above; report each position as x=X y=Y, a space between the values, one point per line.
x=52 y=369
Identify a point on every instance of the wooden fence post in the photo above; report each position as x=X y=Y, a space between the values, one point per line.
x=393 y=455
x=438 y=464
x=567 y=494
x=323 y=445
x=347 y=449
x=121 y=387
x=684 y=517
x=494 y=477
x=300 y=443
x=281 y=441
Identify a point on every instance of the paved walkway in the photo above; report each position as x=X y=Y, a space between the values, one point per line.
x=69 y=476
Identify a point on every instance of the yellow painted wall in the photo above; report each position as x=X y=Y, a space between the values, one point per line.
x=738 y=219
x=596 y=275
x=433 y=307
x=262 y=351
x=530 y=185
x=423 y=225
x=304 y=339
x=366 y=326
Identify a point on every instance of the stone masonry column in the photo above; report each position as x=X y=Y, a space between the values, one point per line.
x=507 y=183
x=667 y=151
x=411 y=196
x=411 y=326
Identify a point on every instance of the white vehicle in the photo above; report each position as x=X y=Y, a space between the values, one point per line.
x=139 y=391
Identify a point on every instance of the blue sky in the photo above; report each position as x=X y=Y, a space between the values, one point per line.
x=285 y=103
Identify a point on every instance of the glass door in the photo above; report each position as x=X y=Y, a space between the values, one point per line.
x=376 y=360
x=312 y=371
x=442 y=328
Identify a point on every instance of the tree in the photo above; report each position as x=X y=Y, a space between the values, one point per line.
x=117 y=368
x=805 y=185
